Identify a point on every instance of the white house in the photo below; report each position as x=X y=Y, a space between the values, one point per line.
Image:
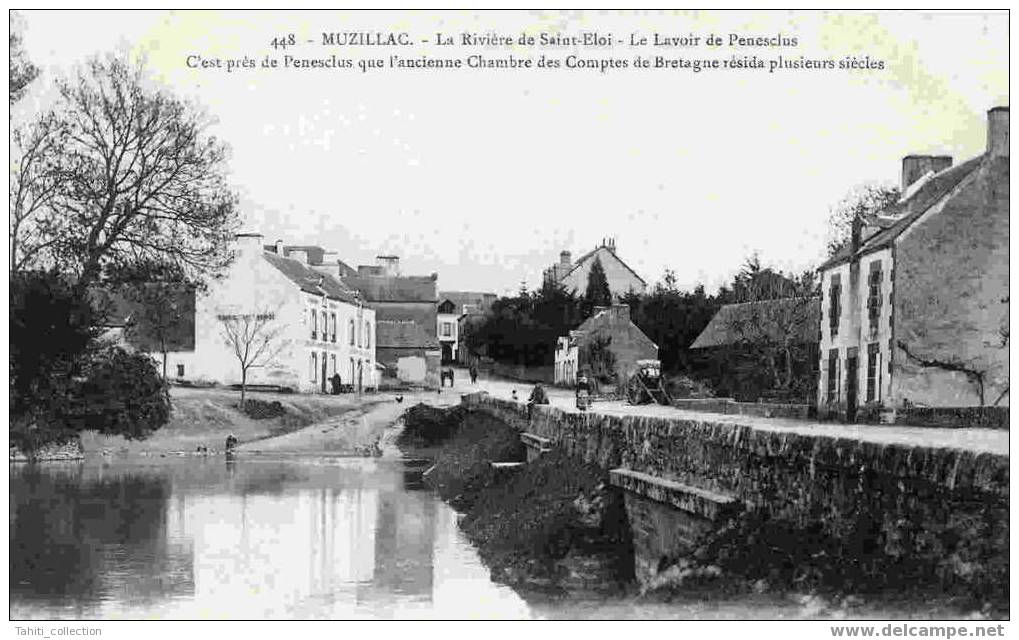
x=311 y=322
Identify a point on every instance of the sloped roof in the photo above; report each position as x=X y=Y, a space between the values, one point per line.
x=394 y=288
x=904 y=213
x=765 y=320
x=604 y=318
x=310 y=280
x=403 y=334
x=482 y=300
x=591 y=254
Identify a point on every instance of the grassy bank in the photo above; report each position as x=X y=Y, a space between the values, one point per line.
x=204 y=417
x=548 y=525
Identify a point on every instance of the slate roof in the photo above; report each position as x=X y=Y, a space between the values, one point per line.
x=310 y=280
x=590 y=255
x=405 y=334
x=906 y=212
x=750 y=321
x=395 y=288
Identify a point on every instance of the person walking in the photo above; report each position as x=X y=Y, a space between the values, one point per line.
x=474 y=373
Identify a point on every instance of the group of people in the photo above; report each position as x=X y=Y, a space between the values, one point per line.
x=539 y=396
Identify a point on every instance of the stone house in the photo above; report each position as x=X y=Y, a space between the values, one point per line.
x=320 y=326
x=609 y=329
x=396 y=298
x=915 y=308
x=573 y=275
x=408 y=353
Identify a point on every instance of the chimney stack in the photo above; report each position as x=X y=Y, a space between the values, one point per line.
x=279 y=247
x=248 y=244
x=997 y=132
x=390 y=265
x=300 y=255
x=915 y=167
x=565 y=258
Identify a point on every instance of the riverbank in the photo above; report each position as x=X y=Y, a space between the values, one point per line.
x=552 y=526
x=205 y=417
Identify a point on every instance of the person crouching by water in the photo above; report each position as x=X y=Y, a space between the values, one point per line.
x=538 y=396
x=231 y=444
x=583 y=393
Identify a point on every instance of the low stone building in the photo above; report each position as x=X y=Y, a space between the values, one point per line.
x=915 y=308
x=606 y=346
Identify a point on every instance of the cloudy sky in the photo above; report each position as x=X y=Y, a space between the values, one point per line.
x=484 y=176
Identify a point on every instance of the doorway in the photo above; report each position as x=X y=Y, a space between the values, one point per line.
x=852 y=384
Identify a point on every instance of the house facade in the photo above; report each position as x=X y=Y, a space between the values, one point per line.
x=399 y=299
x=311 y=324
x=610 y=331
x=454 y=305
x=914 y=311
x=572 y=275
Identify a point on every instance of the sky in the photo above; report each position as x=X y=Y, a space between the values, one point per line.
x=485 y=176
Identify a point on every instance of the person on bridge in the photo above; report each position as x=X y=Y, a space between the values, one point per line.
x=538 y=396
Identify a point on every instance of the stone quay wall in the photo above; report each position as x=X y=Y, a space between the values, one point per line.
x=942 y=510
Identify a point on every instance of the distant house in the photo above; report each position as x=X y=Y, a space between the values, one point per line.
x=750 y=344
x=573 y=275
x=452 y=306
x=397 y=298
x=607 y=345
x=915 y=308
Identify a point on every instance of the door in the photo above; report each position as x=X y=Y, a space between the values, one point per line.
x=447 y=353
x=852 y=383
x=324 y=373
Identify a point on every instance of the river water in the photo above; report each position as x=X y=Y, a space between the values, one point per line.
x=278 y=538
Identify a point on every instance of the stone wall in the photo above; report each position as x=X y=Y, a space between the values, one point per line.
x=731 y=407
x=68 y=451
x=942 y=510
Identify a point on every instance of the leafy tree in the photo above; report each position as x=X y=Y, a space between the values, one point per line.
x=136 y=176
x=22 y=71
x=255 y=339
x=861 y=202
x=63 y=379
x=597 y=293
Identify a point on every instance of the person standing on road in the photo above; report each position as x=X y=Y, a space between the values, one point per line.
x=474 y=373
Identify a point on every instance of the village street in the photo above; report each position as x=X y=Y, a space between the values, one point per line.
x=978 y=440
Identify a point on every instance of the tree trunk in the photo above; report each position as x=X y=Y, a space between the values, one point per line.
x=244 y=381
x=164 y=366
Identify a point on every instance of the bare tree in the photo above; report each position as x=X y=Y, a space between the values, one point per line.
x=255 y=340
x=131 y=174
x=34 y=227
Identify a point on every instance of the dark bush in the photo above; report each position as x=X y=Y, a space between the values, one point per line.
x=261 y=410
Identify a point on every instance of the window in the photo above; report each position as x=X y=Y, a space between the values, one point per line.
x=180 y=371
x=325 y=327
x=351 y=370
x=332 y=363
x=447 y=329
x=352 y=334
x=833 y=376
x=314 y=325
x=314 y=367
x=874 y=296
x=367 y=335
x=834 y=305
x=873 y=372
x=332 y=325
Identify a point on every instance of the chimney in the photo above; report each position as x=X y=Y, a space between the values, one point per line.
x=611 y=245
x=915 y=167
x=248 y=244
x=300 y=255
x=997 y=132
x=565 y=258
x=390 y=265
x=279 y=247
x=857 y=233
x=331 y=259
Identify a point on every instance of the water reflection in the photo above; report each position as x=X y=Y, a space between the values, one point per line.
x=255 y=538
